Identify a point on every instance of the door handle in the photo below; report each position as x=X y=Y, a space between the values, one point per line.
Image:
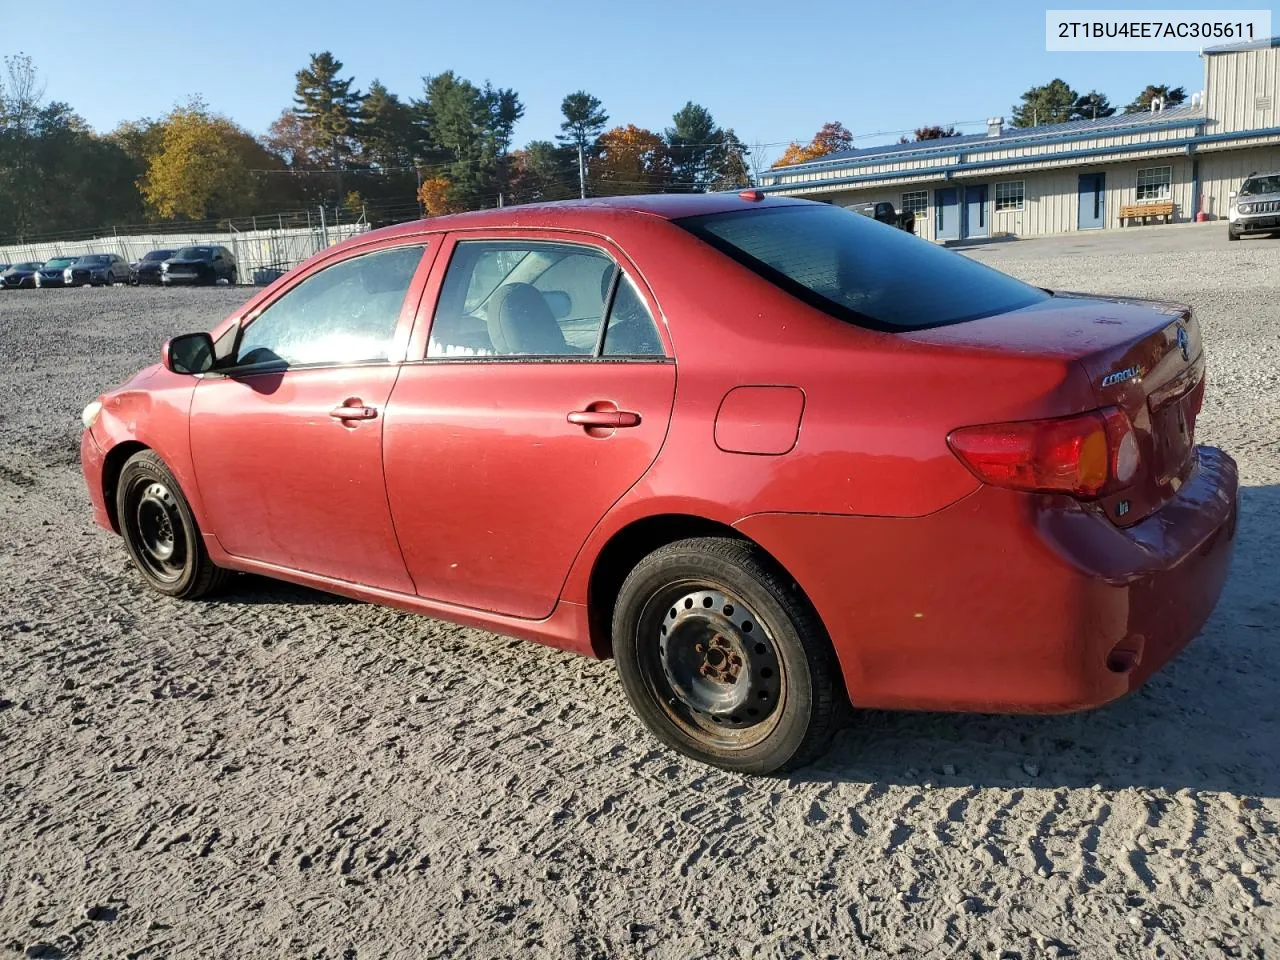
x=604 y=418
x=353 y=410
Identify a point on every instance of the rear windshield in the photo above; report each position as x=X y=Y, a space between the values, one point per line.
x=859 y=270
x=195 y=253
x=1256 y=186
x=158 y=255
x=95 y=258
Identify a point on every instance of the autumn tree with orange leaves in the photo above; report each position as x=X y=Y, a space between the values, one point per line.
x=631 y=160
x=436 y=197
x=832 y=138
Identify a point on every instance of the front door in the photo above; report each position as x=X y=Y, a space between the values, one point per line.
x=523 y=425
x=1093 y=201
x=975 y=211
x=286 y=438
x=947 y=213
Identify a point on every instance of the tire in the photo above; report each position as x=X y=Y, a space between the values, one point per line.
x=1232 y=235
x=160 y=531
x=232 y=278
x=723 y=658
x=111 y=279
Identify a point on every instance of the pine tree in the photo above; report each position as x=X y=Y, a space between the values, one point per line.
x=1051 y=103
x=328 y=108
x=584 y=119
x=692 y=142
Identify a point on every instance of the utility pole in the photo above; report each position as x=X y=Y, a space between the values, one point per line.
x=582 y=174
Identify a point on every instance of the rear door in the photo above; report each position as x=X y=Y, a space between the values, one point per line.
x=286 y=439
x=541 y=395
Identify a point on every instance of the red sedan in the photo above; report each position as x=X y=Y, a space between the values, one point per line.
x=773 y=457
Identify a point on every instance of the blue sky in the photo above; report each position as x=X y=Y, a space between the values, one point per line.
x=773 y=71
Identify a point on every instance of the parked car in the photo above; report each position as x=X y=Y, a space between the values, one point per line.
x=4 y=267
x=199 y=265
x=147 y=270
x=889 y=475
x=20 y=275
x=97 y=269
x=52 y=273
x=1255 y=208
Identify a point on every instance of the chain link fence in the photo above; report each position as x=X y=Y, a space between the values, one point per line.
x=264 y=246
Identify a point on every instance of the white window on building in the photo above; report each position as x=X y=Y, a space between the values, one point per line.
x=917 y=202
x=1153 y=183
x=1010 y=195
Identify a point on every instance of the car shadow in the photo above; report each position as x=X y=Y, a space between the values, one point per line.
x=251 y=589
x=1210 y=720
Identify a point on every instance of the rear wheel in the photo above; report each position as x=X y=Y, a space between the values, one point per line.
x=724 y=659
x=160 y=531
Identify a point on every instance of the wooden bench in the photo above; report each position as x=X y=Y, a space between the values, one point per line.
x=1141 y=211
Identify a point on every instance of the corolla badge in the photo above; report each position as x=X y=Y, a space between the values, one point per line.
x=1120 y=376
x=1184 y=342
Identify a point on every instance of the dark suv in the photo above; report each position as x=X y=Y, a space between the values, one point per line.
x=204 y=264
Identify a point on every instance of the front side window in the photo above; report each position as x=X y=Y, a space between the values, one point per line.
x=916 y=202
x=1153 y=183
x=531 y=299
x=346 y=313
x=859 y=270
x=1010 y=195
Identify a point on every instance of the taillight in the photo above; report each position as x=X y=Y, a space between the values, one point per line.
x=1089 y=455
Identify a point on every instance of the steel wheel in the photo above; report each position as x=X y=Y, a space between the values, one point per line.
x=160 y=534
x=719 y=667
x=723 y=658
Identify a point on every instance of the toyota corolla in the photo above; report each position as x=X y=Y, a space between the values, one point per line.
x=772 y=457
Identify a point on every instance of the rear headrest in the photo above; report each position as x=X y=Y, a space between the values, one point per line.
x=520 y=321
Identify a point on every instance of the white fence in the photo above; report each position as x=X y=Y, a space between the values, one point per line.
x=275 y=250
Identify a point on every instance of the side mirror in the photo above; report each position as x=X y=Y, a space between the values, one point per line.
x=1232 y=195
x=188 y=353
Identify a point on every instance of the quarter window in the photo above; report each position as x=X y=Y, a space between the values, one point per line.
x=917 y=202
x=1154 y=183
x=517 y=299
x=346 y=313
x=631 y=331
x=1010 y=195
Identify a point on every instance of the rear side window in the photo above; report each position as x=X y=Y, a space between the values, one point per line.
x=533 y=299
x=346 y=313
x=861 y=271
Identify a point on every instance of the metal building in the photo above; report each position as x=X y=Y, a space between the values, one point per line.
x=1080 y=175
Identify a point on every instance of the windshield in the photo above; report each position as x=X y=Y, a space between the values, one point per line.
x=30 y=265
x=94 y=259
x=859 y=270
x=195 y=253
x=59 y=263
x=158 y=255
x=1256 y=186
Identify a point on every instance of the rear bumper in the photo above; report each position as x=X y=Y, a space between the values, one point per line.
x=91 y=463
x=1005 y=602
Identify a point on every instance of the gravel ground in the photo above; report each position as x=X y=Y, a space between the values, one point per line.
x=280 y=773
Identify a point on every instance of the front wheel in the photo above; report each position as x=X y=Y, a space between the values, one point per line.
x=724 y=659
x=1232 y=235
x=160 y=531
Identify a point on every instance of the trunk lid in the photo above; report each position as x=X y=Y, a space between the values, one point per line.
x=1142 y=356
